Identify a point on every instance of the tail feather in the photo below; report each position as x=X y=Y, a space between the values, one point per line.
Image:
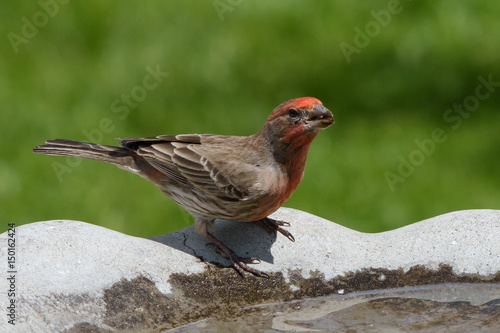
x=116 y=155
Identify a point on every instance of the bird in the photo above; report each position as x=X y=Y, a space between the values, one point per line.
x=237 y=178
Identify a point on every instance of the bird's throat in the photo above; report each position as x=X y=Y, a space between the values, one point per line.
x=294 y=166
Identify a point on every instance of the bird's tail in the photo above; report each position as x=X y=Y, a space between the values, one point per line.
x=116 y=155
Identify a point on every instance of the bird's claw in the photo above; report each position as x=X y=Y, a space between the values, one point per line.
x=249 y=260
x=276 y=225
x=239 y=263
x=282 y=223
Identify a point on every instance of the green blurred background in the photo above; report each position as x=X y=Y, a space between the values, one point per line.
x=229 y=63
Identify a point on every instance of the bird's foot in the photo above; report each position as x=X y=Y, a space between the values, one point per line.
x=276 y=225
x=239 y=263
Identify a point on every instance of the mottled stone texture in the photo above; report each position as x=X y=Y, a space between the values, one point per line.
x=78 y=277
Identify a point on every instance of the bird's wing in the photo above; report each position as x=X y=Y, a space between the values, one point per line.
x=178 y=157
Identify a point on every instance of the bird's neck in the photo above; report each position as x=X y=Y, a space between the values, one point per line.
x=295 y=166
x=291 y=153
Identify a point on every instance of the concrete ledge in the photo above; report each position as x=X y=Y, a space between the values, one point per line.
x=77 y=276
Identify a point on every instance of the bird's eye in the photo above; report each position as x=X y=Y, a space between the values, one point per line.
x=293 y=113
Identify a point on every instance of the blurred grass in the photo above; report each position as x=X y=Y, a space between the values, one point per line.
x=225 y=76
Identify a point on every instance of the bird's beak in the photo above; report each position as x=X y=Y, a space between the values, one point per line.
x=321 y=117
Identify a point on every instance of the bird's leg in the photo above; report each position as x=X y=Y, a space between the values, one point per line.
x=239 y=263
x=276 y=225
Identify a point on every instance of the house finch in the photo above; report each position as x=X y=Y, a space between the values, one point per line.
x=238 y=178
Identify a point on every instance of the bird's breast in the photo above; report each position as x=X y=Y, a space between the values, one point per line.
x=274 y=188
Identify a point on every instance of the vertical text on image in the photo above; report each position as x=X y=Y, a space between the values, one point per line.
x=11 y=274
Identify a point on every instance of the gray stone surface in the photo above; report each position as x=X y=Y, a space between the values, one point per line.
x=80 y=277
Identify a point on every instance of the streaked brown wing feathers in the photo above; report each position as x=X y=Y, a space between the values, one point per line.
x=175 y=157
x=161 y=160
x=204 y=175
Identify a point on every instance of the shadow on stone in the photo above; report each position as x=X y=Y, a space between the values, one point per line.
x=247 y=240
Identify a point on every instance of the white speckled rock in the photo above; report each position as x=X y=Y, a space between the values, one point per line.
x=70 y=273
